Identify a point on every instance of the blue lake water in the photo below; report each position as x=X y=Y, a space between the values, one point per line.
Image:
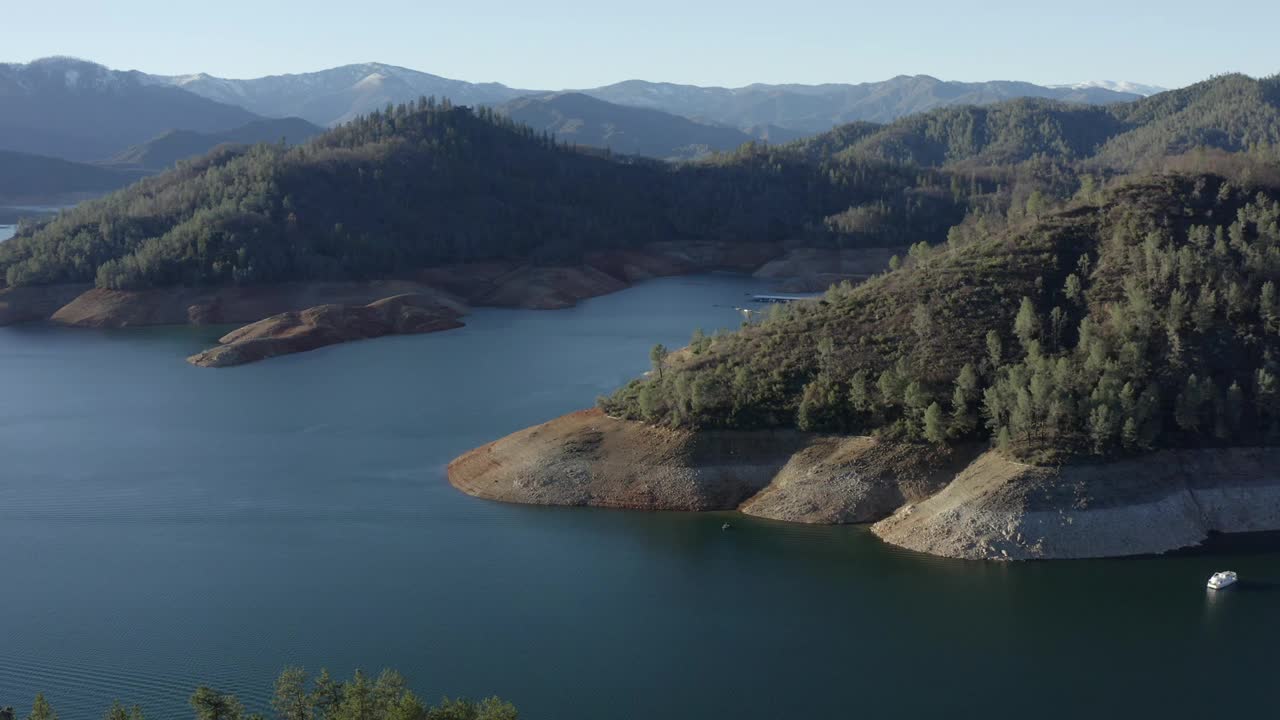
x=163 y=525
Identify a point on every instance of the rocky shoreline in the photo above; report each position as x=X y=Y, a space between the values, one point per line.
x=965 y=502
x=295 y=317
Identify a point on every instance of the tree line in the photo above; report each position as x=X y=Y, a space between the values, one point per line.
x=298 y=696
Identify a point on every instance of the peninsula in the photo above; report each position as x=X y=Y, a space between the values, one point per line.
x=1097 y=381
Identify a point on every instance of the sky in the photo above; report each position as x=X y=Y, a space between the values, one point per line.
x=555 y=44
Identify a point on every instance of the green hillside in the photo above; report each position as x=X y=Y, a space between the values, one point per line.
x=429 y=184
x=1150 y=318
x=1233 y=113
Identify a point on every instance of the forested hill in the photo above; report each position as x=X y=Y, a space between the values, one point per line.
x=426 y=184
x=1233 y=113
x=1147 y=317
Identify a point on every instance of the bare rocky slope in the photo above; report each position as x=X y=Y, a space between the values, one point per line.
x=323 y=325
x=997 y=508
x=956 y=502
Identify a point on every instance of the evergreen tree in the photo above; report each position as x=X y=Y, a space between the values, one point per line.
x=41 y=709
x=658 y=358
x=1268 y=307
x=291 y=700
x=935 y=430
x=1101 y=428
x=1027 y=324
x=326 y=696
x=210 y=704
x=1073 y=290
x=699 y=342
x=964 y=418
x=995 y=350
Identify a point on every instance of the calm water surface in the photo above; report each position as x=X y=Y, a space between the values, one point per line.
x=163 y=525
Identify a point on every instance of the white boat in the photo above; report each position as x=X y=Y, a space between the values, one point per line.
x=1222 y=579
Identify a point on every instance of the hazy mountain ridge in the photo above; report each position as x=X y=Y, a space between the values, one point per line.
x=167 y=149
x=27 y=178
x=1230 y=113
x=82 y=111
x=336 y=95
x=584 y=120
x=328 y=97
x=1122 y=86
x=817 y=108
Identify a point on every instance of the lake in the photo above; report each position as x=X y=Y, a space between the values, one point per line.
x=163 y=525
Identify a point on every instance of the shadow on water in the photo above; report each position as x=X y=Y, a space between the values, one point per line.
x=1237 y=544
x=1256 y=586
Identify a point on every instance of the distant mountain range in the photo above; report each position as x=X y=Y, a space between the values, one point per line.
x=817 y=108
x=82 y=111
x=1121 y=86
x=333 y=96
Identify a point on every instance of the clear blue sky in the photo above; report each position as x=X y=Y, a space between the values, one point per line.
x=580 y=43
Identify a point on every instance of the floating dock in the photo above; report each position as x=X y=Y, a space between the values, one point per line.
x=780 y=298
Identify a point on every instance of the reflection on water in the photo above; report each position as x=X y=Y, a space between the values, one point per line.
x=163 y=525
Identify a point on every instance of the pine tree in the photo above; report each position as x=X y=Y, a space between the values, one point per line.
x=860 y=394
x=291 y=700
x=935 y=430
x=41 y=709
x=1101 y=428
x=1206 y=308
x=1268 y=309
x=1073 y=290
x=995 y=350
x=1129 y=434
x=915 y=399
x=922 y=323
x=326 y=696
x=963 y=417
x=699 y=342
x=1027 y=325
x=210 y=704
x=1057 y=326
x=658 y=358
